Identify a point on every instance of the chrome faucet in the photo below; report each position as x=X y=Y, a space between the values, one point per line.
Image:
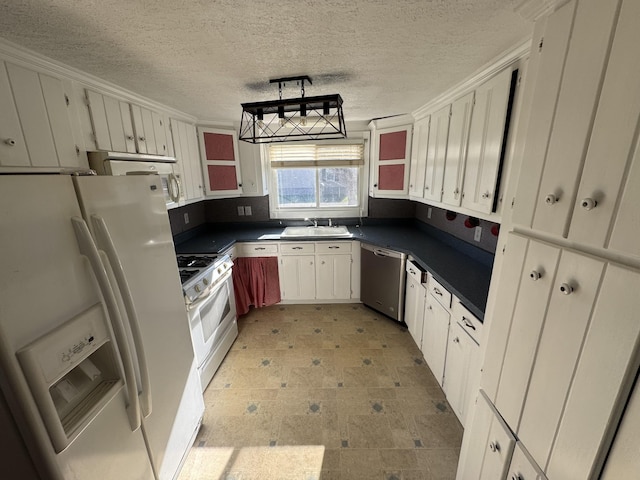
x=312 y=220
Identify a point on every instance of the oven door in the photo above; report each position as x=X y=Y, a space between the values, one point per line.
x=210 y=316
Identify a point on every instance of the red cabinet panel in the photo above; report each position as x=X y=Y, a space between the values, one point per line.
x=393 y=146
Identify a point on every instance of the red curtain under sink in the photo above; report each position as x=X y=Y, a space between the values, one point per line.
x=255 y=282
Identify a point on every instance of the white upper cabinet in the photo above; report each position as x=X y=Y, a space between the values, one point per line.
x=220 y=161
x=436 y=154
x=419 y=156
x=35 y=124
x=120 y=126
x=486 y=136
x=185 y=147
x=252 y=167
x=390 y=161
x=613 y=150
x=457 y=149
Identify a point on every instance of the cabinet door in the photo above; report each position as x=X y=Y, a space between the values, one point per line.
x=571 y=301
x=552 y=51
x=419 y=157
x=486 y=135
x=160 y=133
x=181 y=167
x=509 y=282
x=537 y=280
x=414 y=308
x=523 y=466
x=575 y=108
x=32 y=112
x=489 y=444
x=333 y=277
x=13 y=149
x=119 y=124
x=144 y=130
x=611 y=149
x=219 y=153
x=606 y=370
x=457 y=150
x=298 y=277
x=253 y=175
x=435 y=334
x=436 y=154
x=391 y=161
x=460 y=352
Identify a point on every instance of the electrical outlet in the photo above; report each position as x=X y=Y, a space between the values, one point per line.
x=186 y=218
x=477 y=234
x=247 y=210
x=241 y=211
x=429 y=212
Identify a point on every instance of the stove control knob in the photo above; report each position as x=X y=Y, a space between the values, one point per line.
x=197 y=288
x=205 y=281
x=219 y=270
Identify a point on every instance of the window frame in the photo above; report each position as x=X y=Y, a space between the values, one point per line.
x=361 y=210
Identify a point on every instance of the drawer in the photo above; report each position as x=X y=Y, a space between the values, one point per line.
x=256 y=249
x=439 y=292
x=467 y=321
x=415 y=272
x=333 y=247
x=297 y=248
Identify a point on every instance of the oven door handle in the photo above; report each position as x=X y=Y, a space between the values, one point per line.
x=106 y=243
x=210 y=290
x=89 y=249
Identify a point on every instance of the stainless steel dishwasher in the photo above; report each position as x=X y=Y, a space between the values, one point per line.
x=382 y=280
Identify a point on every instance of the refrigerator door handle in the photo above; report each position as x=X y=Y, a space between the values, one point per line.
x=174 y=188
x=106 y=243
x=88 y=249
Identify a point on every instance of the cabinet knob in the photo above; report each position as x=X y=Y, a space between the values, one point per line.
x=375 y=185
x=494 y=446
x=456 y=340
x=550 y=199
x=142 y=139
x=535 y=275
x=322 y=263
x=130 y=137
x=516 y=476
x=10 y=141
x=456 y=192
x=426 y=188
x=566 y=289
x=486 y=195
x=588 y=203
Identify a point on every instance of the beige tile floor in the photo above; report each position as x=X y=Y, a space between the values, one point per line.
x=325 y=392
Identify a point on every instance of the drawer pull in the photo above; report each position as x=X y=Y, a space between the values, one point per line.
x=467 y=323
x=333 y=247
x=411 y=271
x=296 y=248
x=259 y=248
x=437 y=291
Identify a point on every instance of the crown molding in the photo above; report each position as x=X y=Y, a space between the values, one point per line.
x=491 y=68
x=24 y=57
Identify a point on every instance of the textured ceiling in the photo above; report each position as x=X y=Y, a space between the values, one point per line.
x=205 y=57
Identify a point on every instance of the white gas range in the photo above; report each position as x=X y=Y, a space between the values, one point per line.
x=208 y=292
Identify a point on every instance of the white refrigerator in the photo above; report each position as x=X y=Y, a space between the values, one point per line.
x=97 y=365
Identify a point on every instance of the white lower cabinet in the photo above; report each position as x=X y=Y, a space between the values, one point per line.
x=315 y=271
x=297 y=277
x=435 y=334
x=523 y=466
x=414 y=302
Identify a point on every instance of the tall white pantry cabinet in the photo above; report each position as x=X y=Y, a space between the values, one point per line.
x=563 y=352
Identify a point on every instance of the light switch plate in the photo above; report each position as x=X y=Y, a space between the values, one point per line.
x=186 y=218
x=247 y=210
x=241 y=211
x=429 y=211
x=477 y=234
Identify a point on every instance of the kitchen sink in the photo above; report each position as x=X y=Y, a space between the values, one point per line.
x=323 y=231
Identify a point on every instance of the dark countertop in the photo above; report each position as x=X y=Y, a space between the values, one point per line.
x=463 y=269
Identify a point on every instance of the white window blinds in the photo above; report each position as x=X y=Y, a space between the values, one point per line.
x=296 y=155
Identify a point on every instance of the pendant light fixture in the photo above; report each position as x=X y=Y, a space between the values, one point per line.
x=293 y=119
